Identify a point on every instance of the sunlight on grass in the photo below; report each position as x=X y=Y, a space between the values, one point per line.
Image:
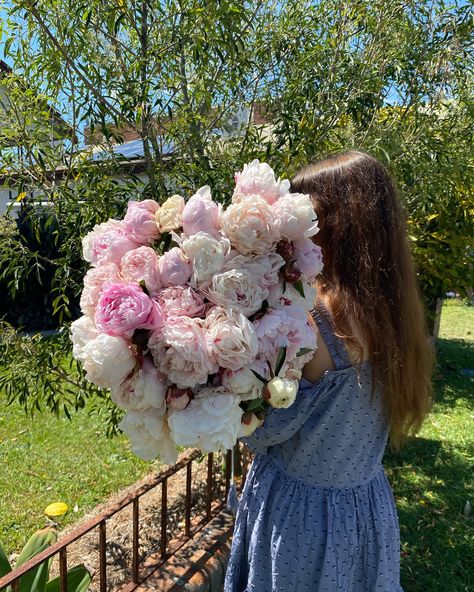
x=45 y=460
x=432 y=477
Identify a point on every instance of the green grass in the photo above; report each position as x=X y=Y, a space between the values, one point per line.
x=44 y=459
x=432 y=477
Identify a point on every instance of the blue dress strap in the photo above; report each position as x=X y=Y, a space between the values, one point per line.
x=335 y=345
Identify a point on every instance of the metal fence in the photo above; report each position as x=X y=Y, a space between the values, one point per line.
x=215 y=500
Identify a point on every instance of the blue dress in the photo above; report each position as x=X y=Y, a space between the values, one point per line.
x=317 y=513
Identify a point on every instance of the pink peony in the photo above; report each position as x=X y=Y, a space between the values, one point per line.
x=309 y=258
x=122 y=308
x=250 y=226
x=107 y=243
x=175 y=268
x=177 y=301
x=258 y=178
x=201 y=214
x=181 y=352
x=94 y=279
x=283 y=327
x=295 y=216
x=139 y=222
x=141 y=265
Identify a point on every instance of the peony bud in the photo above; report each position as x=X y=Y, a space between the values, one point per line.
x=280 y=392
x=291 y=274
x=285 y=249
x=250 y=423
x=177 y=398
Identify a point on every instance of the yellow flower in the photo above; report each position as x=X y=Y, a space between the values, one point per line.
x=56 y=509
x=169 y=216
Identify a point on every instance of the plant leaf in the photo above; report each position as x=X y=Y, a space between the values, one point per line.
x=280 y=360
x=257 y=375
x=78 y=580
x=254 y=404
x=36 y=543
x=303 y=351
x=298 y=286
x=5 y=566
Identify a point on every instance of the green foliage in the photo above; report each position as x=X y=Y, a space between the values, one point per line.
x=36 y=579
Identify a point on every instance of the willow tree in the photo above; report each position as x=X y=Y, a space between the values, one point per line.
x=393 y=77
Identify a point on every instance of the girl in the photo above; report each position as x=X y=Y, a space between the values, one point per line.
x=317 y=513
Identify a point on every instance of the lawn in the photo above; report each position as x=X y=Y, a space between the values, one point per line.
x=45 y=460
x=433 y=476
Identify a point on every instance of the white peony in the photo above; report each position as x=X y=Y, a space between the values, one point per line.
x=82 y=331
x=295 y=216
x=250 y=226
x=182 y=351
x=306 y=303
x=169 y=216
x=249 y=424
x=144 y=389
x=282 y=294
x=281 y=392
x=233 y=342
x=244 y=383
x=263 y=269
x=207 y=255
x=149 y=435
x=211 y=421
x=107 y=360
x=259 y=178
x=236 y=288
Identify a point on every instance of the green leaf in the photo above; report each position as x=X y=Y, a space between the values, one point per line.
x=5 y=566
x=253 y=404
x=78 y=580
x=299 y=288
x=35 y=579
x=257 y=375
x=38 y=541
x=142 y=285
x=280 y=360
x=303 y=351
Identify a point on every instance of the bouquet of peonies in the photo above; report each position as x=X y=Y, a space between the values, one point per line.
x=195 y=316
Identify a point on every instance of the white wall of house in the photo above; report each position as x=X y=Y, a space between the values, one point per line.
x=6 y=196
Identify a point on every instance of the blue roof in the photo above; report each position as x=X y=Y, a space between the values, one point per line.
x=129 y=150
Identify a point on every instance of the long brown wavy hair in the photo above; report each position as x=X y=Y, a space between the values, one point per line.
x=369 y=277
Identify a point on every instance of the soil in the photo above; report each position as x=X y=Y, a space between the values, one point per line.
x=119 y=526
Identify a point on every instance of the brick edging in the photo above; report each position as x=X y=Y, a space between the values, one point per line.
x=200 y=565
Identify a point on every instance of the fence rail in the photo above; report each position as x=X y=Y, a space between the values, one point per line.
x=214 y=503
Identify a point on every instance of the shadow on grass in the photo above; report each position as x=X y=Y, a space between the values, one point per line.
x=450 y=385
x=430 y=483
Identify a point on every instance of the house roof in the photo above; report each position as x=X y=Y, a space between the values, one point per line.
x=62 y=125
x=130 y=151
x=129 y=156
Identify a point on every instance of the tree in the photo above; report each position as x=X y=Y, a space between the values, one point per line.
x=392 y=77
